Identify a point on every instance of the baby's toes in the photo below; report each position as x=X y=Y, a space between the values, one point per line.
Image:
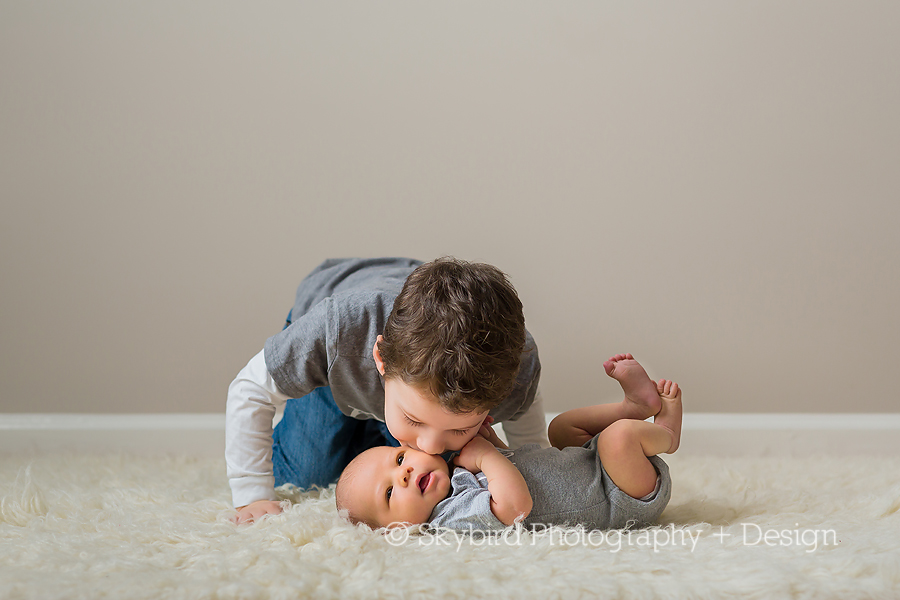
x=667 y=388
x=672 y=391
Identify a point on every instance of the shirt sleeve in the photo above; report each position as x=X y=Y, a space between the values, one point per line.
x=530 y=428
x=469 y=506
x=252 y=401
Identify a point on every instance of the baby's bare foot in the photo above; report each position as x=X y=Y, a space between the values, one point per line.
x=669 y=416
x=641 y=395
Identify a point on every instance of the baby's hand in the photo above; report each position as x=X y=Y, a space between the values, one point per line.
x=257 y=510
x=470 y=456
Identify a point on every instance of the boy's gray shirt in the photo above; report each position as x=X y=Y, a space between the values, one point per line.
x=340 y=310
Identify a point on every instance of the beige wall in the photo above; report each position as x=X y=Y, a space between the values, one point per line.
x=712 y=186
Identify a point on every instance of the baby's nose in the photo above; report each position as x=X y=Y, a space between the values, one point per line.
x=405 y=475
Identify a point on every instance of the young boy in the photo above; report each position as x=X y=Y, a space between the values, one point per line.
x=602 y=473
x=379 y=351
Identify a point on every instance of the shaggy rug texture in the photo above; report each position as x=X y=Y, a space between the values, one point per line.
x=75 y=526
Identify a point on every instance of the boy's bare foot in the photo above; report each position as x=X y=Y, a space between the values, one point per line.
x=669 y=416
x=641 y=395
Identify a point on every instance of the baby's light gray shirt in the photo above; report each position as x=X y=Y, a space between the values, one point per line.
x=568 y=487
x=468 y=506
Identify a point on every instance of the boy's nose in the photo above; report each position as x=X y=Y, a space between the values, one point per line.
x=430 y=445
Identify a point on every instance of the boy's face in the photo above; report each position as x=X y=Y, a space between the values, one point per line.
x=417 y=421
x=399 y=485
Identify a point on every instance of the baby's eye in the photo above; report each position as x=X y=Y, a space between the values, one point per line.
x=388 y=493
x=411 y=422
x=460 y=431
x=400 y=458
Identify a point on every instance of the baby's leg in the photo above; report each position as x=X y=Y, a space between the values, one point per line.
x=625 y=445
x=577 y=426
x=669 y=416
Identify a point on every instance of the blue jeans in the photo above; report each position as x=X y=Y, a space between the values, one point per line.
x=315 y=441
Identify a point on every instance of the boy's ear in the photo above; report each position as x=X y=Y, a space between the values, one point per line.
x=379 y=364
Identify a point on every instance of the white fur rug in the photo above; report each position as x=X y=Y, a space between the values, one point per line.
x=136 y=527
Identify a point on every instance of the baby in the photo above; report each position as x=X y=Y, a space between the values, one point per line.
x=602 y=472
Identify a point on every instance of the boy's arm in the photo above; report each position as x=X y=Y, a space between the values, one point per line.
x=252 y=401
x=510 y=497
x=530 y=428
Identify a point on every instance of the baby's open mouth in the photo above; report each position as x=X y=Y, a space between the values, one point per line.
x=424 y=480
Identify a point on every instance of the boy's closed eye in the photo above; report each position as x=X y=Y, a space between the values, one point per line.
x=414 y=423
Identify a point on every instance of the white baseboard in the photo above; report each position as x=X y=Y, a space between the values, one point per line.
x=200 y=435
x=717 y=434
x=791 y=434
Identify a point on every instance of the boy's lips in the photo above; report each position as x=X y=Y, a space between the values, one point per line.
x=423 y=481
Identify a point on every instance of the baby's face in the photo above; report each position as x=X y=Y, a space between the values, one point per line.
x=399 y=485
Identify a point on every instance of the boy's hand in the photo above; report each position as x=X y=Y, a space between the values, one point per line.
x=472 y=453
x=257 y=510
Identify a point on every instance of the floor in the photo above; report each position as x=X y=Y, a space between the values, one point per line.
x=130 y=526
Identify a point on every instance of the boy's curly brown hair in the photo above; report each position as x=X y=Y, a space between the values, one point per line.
x=457 y=331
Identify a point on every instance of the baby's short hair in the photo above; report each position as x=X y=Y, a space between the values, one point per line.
x=343 y=497
x=456 y=330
